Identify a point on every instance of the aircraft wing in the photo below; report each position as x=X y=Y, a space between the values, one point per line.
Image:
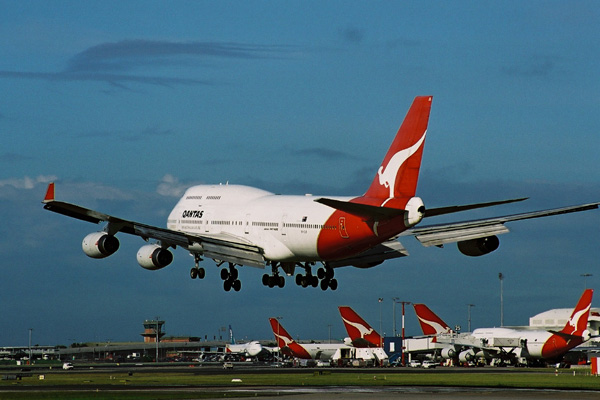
x=226 y=248
x=438 y=235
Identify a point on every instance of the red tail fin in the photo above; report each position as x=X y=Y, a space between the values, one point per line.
x=360 y=332
x=399 y=172
x=431 y=324
x=285 y=341
x=577 y=324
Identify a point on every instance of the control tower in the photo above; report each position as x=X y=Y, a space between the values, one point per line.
x=153 y=330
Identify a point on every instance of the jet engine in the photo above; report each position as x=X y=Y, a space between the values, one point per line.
x=467 y=355
x=448 y=352
x=153 y=257
x=479 y=247
x=99 y=245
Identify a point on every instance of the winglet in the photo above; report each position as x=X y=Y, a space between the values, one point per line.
x=49 y=193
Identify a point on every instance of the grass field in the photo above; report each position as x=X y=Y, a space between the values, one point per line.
x=61 y=385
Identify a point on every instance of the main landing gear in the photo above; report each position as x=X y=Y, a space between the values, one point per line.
x=230 y=279
x=324 y=274
x=197 y=271
x=275 y=279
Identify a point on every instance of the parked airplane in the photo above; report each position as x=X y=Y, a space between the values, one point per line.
x=511 y=343
x=307 y=351
x=251 y=349
x=238 y=225
x=360 y=332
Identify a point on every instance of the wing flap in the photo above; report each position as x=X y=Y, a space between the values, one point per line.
x=437 y=235
x=234 y=254
x=451 y=235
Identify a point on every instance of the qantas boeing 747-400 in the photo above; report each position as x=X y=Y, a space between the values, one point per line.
x=239 y=225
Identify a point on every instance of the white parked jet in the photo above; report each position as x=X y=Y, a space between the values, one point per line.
x=239 y=225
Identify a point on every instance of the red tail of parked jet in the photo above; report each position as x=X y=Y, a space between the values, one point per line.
x=430 y=323
x=360 y=332
x=575 y=331
x=285 y=342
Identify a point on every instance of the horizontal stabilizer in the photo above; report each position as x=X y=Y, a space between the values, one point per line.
x=362 y=210
x=433 y=212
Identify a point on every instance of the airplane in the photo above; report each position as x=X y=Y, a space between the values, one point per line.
x=307 y=351
x=360 y=332
x=237 y=225
x=530 y=344
x=251 y=349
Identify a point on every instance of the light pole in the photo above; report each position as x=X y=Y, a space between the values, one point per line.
x=380 y=300
x=329 y=327
x=279 y=336
x=30 y=329
x=394 y=300
x=585 y=276
x=501 y=277
x=403 y=304
x=469 y=316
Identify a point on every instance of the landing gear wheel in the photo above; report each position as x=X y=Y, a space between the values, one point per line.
x=333 y=284
x=324 y=284
x=201 y=273
x=224 y=274
x=236 y=285
x=227 y=285
x=299 y=280
x=265 y=280
x=281 y=281
x=321 y=273
x=271 y=281
x=194 y=273
x=304 y=282
x=233 y=273
x=328 y=272
x=314 y=281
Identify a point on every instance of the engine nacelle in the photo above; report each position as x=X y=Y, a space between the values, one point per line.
x=466 y=356
x=448 y=352
x=99 y=245
x=153 y=257
x=479 y=247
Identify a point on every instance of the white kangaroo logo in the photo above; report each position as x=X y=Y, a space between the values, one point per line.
x=387 y=175
x=361 y=328
x=574 y=320
x=438 y=327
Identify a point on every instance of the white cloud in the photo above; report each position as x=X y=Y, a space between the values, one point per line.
x=170 y=186
x=27 y=182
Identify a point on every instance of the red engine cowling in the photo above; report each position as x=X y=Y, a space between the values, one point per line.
x=479 y=247
x=153 y=257
x=99 y=244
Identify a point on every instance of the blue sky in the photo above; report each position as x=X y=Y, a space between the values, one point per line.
x=125 y=105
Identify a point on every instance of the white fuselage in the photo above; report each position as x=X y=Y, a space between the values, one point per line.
x=532 y=341
x=286 y=227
